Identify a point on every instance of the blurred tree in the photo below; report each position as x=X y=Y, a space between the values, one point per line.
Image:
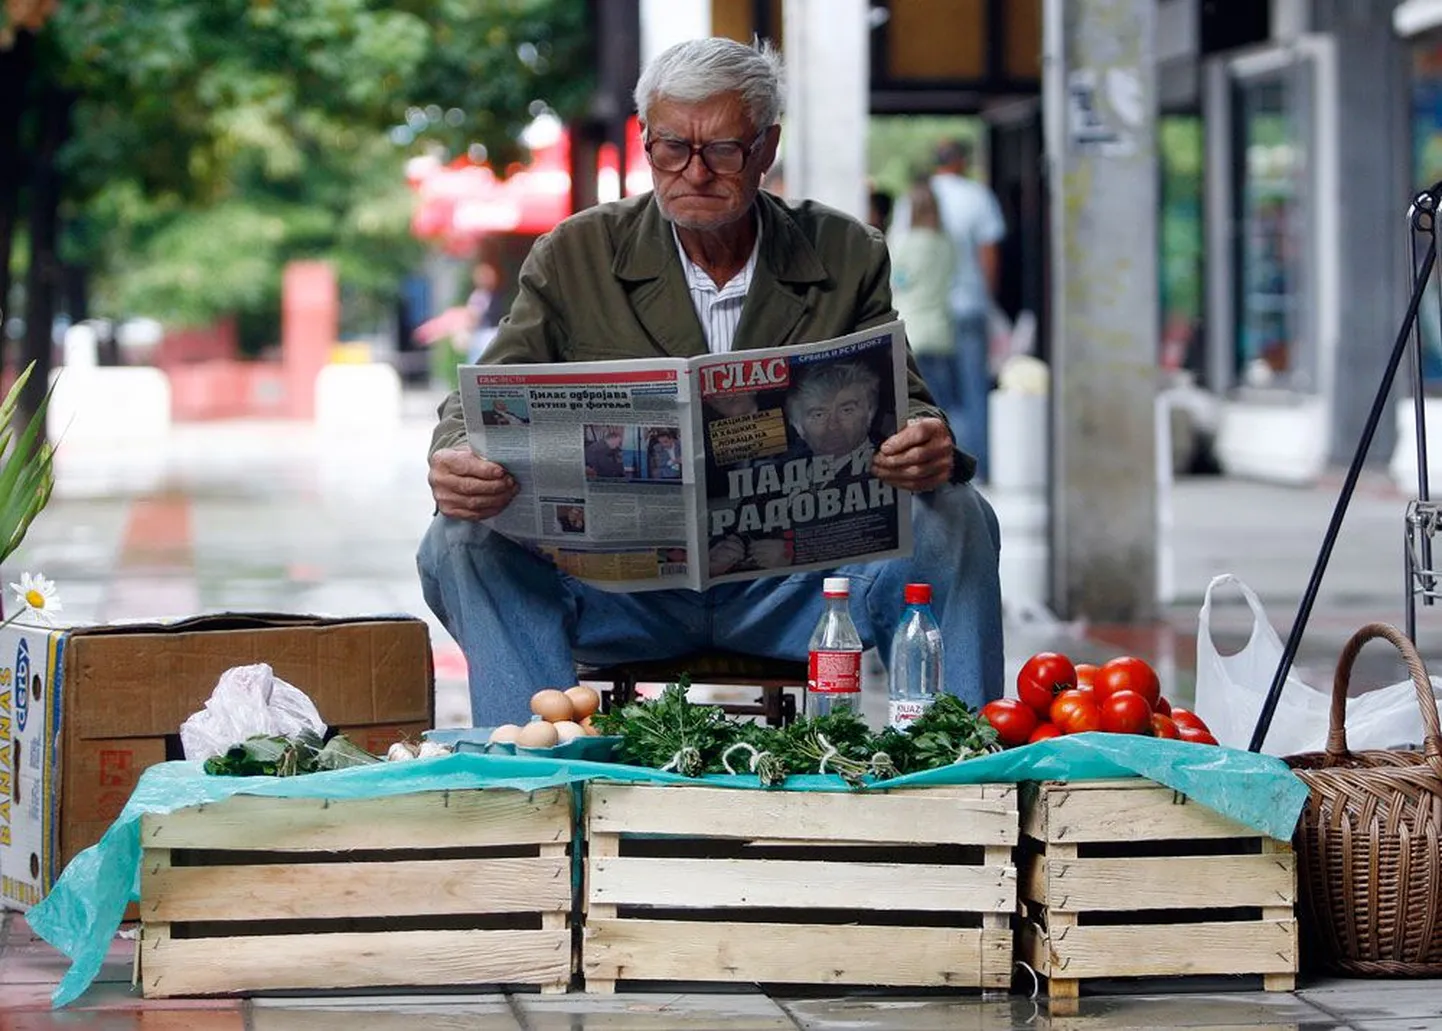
x=184 y=151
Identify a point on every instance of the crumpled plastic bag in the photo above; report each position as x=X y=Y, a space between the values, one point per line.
x=247 y=700
x=1231 y=690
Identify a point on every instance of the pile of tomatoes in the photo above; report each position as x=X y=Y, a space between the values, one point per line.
x=1122 y=696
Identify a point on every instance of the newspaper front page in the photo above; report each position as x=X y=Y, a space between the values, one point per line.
x=661 y=473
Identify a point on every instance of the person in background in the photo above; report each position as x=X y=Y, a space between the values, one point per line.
x=486 y=307
x=923 y=260
x=468 y=328
x=878 y=212
x=707 y=261
x=971 y=216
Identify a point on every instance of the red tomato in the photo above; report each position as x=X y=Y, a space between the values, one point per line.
x=1187 y=718
x=1014 y=720
x=1127 y=674
x=1125 y=712
x=1045 y=675
x=1064 y=703
x=1082 y=719
x=1195 y=735
x=1085 y=674
x=1162 y=726
x=1161 y=705
x=1044 y=731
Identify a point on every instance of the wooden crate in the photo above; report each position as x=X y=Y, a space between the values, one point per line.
x=1130 y=879
x=908 y=888
x=435 y=888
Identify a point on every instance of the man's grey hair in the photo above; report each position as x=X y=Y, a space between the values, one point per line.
x=826 y=381
x=699 y=69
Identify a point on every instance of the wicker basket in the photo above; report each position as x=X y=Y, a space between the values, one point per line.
x=1369 y=842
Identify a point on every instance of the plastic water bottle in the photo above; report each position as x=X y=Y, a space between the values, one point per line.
x=833 y=678
x=915 y=667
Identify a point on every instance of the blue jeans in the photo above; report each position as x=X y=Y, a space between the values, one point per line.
x=960 y=383
x=524 y=625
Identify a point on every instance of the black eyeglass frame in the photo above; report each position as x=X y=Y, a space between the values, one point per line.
x=701 y=148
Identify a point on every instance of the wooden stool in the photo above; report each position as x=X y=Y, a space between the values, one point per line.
x=772 y=676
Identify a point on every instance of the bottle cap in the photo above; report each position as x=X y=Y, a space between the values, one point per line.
x=918 y=594
x=836 y=585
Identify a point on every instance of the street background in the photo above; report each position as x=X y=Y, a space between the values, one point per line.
x=280 y=516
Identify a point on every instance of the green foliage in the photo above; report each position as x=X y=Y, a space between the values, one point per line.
x=215 y=141
x=26 y=472
x=280 y=756
x=671 y=733
x=902 y=147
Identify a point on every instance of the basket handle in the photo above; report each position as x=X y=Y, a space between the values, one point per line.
x=1426 y=701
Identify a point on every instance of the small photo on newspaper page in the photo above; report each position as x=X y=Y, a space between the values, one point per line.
x=790 y=437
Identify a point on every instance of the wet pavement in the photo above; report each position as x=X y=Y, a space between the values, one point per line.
x=278 y=516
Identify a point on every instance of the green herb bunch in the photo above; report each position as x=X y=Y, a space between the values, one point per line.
x=671 y=733
x=279 y=756
x=949 y=732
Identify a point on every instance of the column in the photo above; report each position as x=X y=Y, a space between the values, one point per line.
x=823 y=142
x=1100 y=110
x=667 y=22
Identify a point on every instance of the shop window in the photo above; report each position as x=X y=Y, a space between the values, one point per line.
x=1181 y=233
x=1272 y=288
x=1427 y=170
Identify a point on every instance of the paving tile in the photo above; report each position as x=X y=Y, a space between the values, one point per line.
x=750 y=1011
x=31 y=962
x=1360 y=1001
x=121 y=996
x=1192 y=1011
x=407 y=1013
x=1401 y=1024
x=968 y=1013
x=146 y=1020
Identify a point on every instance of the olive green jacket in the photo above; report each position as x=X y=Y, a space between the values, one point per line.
x=607 y=284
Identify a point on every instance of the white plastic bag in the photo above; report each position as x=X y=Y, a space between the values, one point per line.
x=1231 y=689
x=247 y=700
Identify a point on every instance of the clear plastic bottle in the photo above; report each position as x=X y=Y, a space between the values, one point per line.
x=833 y=679
x=914 y=672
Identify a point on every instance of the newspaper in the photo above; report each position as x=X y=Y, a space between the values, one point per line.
x=647 y=474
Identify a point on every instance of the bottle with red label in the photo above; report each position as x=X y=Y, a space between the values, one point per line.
x=833 y=680
x=915 y=667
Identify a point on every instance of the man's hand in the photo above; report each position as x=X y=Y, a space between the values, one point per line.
x=467 y=486
x=916 y=458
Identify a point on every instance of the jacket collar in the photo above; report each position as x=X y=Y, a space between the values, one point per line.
x=775 y=304
x=646 y=249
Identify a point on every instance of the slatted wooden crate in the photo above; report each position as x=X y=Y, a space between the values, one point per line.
x=907 y=888
x=436 y=888
x=1129 y=879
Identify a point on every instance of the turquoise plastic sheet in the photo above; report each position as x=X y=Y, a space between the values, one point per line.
x=82 y=913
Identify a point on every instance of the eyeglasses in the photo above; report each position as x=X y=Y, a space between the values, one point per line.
x=722 y=157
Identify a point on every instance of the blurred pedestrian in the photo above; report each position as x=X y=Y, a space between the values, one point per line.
x=923 y=260
x=878 y=214
x=971 y=216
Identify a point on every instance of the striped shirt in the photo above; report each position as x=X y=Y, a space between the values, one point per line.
x=718 y=310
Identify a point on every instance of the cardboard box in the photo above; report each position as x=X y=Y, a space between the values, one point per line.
x=84 y=710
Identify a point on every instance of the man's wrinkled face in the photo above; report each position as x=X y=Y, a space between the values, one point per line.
x=696 y=197
x=837 y=425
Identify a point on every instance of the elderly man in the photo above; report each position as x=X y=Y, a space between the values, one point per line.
x=705 y=262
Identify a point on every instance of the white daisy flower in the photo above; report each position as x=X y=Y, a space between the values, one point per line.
x=39 y=596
